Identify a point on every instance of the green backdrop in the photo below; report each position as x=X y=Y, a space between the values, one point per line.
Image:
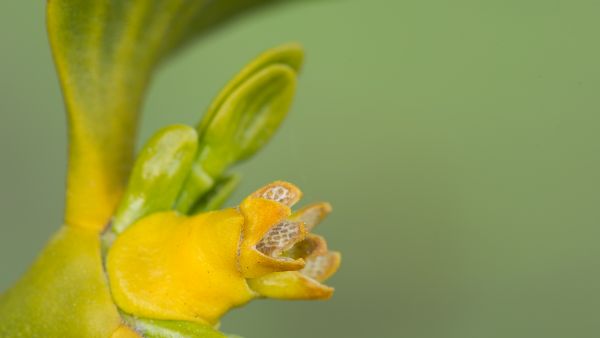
x=457 y=141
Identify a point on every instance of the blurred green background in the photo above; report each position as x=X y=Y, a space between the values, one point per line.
x=457 y=141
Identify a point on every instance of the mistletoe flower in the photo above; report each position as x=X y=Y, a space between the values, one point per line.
x=173 y=267
x=295 y=260
x=145 y=250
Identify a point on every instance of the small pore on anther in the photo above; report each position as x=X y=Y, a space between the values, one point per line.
x=281 y=192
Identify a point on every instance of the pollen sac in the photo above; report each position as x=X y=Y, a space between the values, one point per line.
x=321 y=267
x=312 y=215
x=280 y=238
x=267 y=231
x=281 y=192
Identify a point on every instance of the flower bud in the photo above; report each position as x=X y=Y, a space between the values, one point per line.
x=242 y=118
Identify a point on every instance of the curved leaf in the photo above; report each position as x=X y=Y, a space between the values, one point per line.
x=64 y=293
x=105 y=53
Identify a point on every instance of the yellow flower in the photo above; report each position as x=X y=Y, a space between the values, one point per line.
x=139 y=246
x=195 y=268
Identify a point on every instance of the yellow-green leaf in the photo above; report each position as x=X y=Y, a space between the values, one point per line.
x=64 y=293
x=151 y=328
x=105 y=53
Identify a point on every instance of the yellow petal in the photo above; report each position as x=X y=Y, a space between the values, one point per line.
x=256 y=264
x=261 y=216
x=168 y=266
x=290 y=285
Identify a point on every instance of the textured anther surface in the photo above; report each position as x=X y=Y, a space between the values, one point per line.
x=281 y=192
x=278 y=194
x=321 y=267
x=280 y=238
x=313 y=214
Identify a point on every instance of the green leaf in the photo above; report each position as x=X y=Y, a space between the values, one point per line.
x=105 y=53
x=151 y=328
x=243 y=118
x=158 y=175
